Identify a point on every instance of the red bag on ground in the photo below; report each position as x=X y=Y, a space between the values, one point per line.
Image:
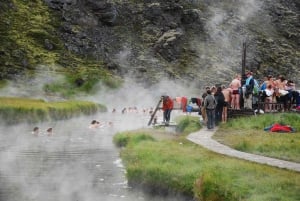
x=280 y=128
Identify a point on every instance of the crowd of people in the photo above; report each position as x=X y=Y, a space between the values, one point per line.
x=216 y=101
x=272 y=94
x=279 y=94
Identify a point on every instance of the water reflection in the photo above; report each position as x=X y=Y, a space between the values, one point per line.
x=75 y=163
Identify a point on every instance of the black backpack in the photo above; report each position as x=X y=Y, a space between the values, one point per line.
x=220 y=99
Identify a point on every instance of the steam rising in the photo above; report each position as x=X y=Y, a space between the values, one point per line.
x=226 y=27
x=80 y=164
x=76 y=163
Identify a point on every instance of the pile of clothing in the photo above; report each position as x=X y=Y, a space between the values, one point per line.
x=280 y=128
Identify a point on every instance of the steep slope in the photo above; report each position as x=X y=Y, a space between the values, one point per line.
x=197 y=41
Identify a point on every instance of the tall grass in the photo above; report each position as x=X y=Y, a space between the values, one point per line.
x=16 y=110
x=168 y=166
x=248 y=135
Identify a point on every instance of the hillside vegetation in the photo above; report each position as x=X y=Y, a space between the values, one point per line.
x=30 y=43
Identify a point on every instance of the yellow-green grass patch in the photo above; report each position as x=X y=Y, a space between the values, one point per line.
x=17 y=110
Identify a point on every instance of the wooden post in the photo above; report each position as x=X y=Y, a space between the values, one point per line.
x=244 y=63
x=243 y=76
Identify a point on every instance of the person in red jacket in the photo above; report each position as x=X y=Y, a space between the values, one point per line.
x=167 y=108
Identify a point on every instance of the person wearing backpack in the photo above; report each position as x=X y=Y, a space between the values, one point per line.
x=249 y=86
x=210 y=106
x=256 y=92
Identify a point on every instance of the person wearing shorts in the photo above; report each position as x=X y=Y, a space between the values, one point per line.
x=235 y=95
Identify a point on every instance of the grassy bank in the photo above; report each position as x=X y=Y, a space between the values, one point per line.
x=17 y=110
x=177 y=165
x=248 y=135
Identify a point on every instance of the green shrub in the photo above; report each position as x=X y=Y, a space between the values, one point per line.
x=122 y=139
x=187 y=124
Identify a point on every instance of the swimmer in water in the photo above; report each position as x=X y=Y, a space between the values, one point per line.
x=36 y=131
x=49 y=131
x=110 y=124
x=94 y=124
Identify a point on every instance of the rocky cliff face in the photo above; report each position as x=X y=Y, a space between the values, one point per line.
x=190 y=41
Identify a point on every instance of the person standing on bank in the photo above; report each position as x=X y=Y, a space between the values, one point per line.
x=210 y=106
x=203 y=109
x=220 y=98
x=227 y=94
x=167 y=108
x=235 y=95
x=249 y=85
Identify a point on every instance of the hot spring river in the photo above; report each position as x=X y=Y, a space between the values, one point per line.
x=76 y=164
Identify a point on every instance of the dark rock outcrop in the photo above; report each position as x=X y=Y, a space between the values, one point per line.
x=188 y=40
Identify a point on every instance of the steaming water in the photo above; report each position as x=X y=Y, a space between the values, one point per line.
x=76 y=163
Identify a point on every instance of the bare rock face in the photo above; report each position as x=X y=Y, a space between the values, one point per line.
x=168 y=45
x=60 y=4
x=105 y=12
x=188 y=40
x=204 y=36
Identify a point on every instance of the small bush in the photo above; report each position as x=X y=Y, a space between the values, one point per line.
x=187 y=124
x=122 y=139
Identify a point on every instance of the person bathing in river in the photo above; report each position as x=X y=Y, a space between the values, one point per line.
x=94 y=124
x=49 y=132
x=36 y=131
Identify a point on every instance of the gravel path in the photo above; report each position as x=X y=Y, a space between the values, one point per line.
x=203 y=137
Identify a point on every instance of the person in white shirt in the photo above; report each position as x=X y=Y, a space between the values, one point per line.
x=269 y=98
